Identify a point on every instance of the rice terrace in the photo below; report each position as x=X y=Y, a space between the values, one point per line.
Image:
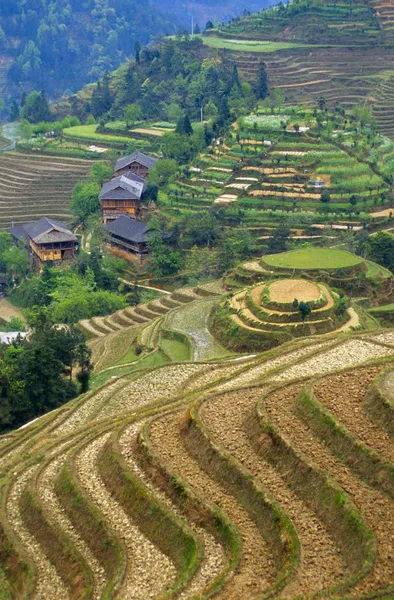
x=241 y=474
x=197 y=301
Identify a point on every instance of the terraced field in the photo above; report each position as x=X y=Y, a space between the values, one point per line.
x=36 y=186
x=208 y=479
x=264 y=165
x=343 y=73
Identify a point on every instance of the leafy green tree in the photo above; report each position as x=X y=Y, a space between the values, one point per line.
x=85 y=200
x=36 y=108
x=304 y=308
x=25 y=129
x=100 y=172
x=174 y=112
x=211 y=110
x=325 y=196
x=176 y=146
x=234 y=246
x=279 y=239
x=382 y=249
x=17 y=262
x=162 y=172
x=209 y=25
x=164 y=261
x=203 y=229
x=200 y=264
x=131 y=114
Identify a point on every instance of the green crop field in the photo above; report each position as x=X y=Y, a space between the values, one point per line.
x=313 y=258
x=250 y=45
x=88 y=133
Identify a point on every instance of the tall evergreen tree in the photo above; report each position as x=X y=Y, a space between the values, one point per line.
x=137 y=50
x=14 y=111
x=262 y=81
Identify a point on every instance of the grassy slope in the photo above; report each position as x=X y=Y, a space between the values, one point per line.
x=313 y=258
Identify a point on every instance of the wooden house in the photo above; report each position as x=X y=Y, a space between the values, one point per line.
x=122 y=196
x=128 y=235
x=47 y=240
x=137 y=163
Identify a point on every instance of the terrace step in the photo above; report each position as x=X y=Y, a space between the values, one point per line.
x=157 y=306
x=165 y=436
x=170 y=302
x=101 y=325
x=122 y=318
x=113 y=323
x=293 y=481
x=145 y=312
x=134 y=316
x=282 y=409
x=89 y=327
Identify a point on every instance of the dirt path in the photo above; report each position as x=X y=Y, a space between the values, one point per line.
x=144 y=560
x=383 y=213
x=375 y=507
x=343 y=395
x=256 y=570
x=321 y=566
x=8 y=310
x=354 y=320
x=213 y=560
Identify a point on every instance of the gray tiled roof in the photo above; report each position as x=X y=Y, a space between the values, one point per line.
x=147 y=161
x=129 y=229
x=133 y=188
x=44 y=230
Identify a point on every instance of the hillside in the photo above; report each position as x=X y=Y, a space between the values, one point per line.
x=190 y=471
x=335 y=50
x=60 y=46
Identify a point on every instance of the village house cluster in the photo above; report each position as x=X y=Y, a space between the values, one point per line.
x=122 y=204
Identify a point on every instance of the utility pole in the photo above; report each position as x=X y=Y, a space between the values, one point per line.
x=192 y=24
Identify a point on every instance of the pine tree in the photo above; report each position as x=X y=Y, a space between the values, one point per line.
x=14 y=111
x=262 y=81
x=187 y=125
x=107 y=96
x=234 y=80
x=44 y=113
x=96 y=102
x=183 y=126
x=23 y=99
x=137 y=50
